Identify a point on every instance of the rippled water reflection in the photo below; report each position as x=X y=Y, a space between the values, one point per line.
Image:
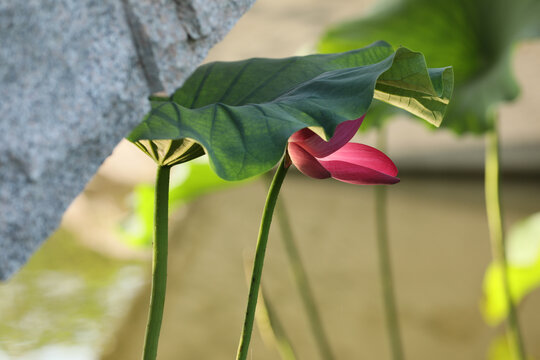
x=66 y=303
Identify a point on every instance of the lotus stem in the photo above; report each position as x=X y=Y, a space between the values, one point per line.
x=159 y=263
x=258 y=262
x=496 y=232
x=385 y=263
x=302 y=283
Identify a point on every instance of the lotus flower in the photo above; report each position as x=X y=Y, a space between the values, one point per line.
x=338 y=158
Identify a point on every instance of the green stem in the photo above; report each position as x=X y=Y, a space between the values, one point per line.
x=259 y=259
x=159 y=263
x=302 y=283
x=496 y=231
x=385 y=264
x=269 y=316
x=272 y=332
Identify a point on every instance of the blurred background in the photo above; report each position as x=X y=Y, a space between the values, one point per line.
x=84 y=295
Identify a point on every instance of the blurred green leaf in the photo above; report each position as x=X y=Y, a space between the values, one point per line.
x=523 y=249
x=187 y=182
x=500 y=349
x=503 y=348
x=476 y=37
x=242 y=113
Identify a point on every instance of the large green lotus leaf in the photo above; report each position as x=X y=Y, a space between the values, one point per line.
x=523 y=252
x=242 y=113
x=476 y=37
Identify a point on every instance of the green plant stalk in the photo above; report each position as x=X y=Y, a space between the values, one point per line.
x=385 y=264
x=258 y=262
x=159 y=263
x=268 y=320
x=302 y=283
x=272 y=332
x=496 y=232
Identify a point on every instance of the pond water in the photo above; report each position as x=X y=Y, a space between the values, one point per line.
x=66 y=302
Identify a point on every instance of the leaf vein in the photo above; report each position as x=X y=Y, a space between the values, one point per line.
x=235 y=80
x=266 y=82
x=201 y=84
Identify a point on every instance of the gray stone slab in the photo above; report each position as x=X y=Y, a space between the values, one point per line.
x=74 y=78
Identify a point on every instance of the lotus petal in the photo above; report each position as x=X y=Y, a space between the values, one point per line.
x=318 y=147
x=364 y=155
x=306 y=163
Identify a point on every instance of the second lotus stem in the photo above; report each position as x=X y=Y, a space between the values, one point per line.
x=302 y=283
x=496 y=232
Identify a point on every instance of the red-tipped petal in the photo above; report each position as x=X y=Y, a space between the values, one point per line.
x=364 y=155
x=357 y=174
x=319 y=148
x=306 y=163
